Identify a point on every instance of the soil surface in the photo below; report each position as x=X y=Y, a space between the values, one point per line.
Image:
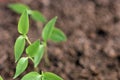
x=92 y=50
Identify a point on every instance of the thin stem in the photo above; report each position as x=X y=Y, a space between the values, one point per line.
x=36 y=69
x=30 y=59
x=29 y=42
x=46 y=56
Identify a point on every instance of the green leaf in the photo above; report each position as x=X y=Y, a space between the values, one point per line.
x=37 y=16
x=57 y=35
x=19 y=47
x=18 y=7
x=1 y=78
x=39 y=55
x=32 y=49
x=23 y=24
x=50 y=76
x=46 y=33
x=21 y=66
x=32 y=76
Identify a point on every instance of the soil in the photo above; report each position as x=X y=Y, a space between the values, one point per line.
x=92 y=49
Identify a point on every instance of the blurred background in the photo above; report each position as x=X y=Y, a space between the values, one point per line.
x=92 y=50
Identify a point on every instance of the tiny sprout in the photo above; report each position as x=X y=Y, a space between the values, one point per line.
x=35 y=50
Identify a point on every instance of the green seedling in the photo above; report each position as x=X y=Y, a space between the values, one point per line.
x=37 y=49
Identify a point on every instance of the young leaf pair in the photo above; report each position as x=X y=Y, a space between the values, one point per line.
x=20 y=8
x=23 y=28
x=42 y=76
x=35 y=51
x=52 y=33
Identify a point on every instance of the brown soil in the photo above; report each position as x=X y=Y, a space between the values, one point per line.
x=92 y=50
